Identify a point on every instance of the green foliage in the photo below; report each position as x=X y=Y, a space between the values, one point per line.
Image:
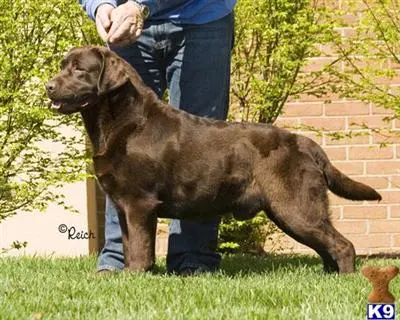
x=273 y=40
x=371 y=55
x=16 y=245
x=246 y=236
x=35 y=36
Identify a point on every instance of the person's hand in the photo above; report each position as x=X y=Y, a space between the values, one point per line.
x=126 y=24
x=103 y=20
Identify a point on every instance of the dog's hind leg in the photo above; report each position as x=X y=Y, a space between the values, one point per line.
x=298 y=204
x=336 y=251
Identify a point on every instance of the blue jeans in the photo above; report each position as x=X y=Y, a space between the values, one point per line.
x=193 y=62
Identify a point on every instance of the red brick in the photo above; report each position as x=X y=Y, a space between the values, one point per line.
x=393 y=80
x=358 y=137
x=396 y=240
x=317 y=64
x=304 y=97
x=382 y=251
x=335 y=212
x=392 y=137
x=381 y=110
x=336 y=200
x=369 y=121
x=351 y=227
x=366 y=62
x=302 y=109
x=370 y=240
x=346 y=108
x=349 y=19
x=289 y=123
x=383 y=167
x=370 y=153
x=347 y=32
x=393 y=64
x=390 y=197
x=364 y=212
x=338 y=123
x=384 y=226
x=374 y=181
x=336 y=153
x=312 y=135
x=326 y=50
x=362 y=251
x=395 y=211
x=350 y=168
x=395 y=182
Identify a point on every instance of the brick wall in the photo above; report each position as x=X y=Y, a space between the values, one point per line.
x=373 y=227
x=369 y=157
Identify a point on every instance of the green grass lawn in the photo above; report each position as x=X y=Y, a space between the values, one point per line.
x=272 y=287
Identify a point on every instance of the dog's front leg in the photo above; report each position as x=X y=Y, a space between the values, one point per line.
x=138 y=225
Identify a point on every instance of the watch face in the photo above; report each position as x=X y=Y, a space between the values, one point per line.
x=146 y=12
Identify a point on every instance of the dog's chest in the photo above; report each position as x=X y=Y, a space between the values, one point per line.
x=104 y=171
x=127 y=172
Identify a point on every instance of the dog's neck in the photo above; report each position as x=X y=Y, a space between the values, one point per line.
x=116 y=115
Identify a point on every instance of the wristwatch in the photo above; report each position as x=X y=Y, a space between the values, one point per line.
x=143 y=8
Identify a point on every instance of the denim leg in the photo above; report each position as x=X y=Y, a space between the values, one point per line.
x=198 y=79
x=194 y=61
x=112 y=256
x=143 y=57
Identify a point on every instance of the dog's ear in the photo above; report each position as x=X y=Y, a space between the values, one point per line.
x=113 y=72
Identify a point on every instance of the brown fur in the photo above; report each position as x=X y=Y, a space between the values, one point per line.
x=154 y=160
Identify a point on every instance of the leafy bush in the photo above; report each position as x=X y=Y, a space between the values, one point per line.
x=36 y=34
x=273 y=41
x=245 y=236
x=370 y=67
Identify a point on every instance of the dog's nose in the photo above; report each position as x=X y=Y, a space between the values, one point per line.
x=50 y=86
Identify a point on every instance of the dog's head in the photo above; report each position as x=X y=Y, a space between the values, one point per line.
x=86 y=74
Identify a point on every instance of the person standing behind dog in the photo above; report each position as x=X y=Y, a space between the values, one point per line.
x=185 y=46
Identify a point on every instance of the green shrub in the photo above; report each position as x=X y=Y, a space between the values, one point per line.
x=245 y=236
x=35 y=36
x=273 y=40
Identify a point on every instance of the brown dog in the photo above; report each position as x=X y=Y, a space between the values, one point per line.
x=154 y=160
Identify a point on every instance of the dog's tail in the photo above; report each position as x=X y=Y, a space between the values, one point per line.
x=339 y=183
x=343 y=186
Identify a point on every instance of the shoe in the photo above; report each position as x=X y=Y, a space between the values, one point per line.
x=192 y=271
x=104 y=272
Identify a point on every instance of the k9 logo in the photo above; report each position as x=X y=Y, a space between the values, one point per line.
x=377 y=311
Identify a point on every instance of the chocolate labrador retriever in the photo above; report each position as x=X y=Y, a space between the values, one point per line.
x=157 y=161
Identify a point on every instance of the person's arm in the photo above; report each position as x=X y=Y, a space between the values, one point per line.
x=90 y=6
x=121 y=24
x=155 y=6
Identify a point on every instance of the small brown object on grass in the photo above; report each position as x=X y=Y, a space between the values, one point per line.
x=380 y=278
